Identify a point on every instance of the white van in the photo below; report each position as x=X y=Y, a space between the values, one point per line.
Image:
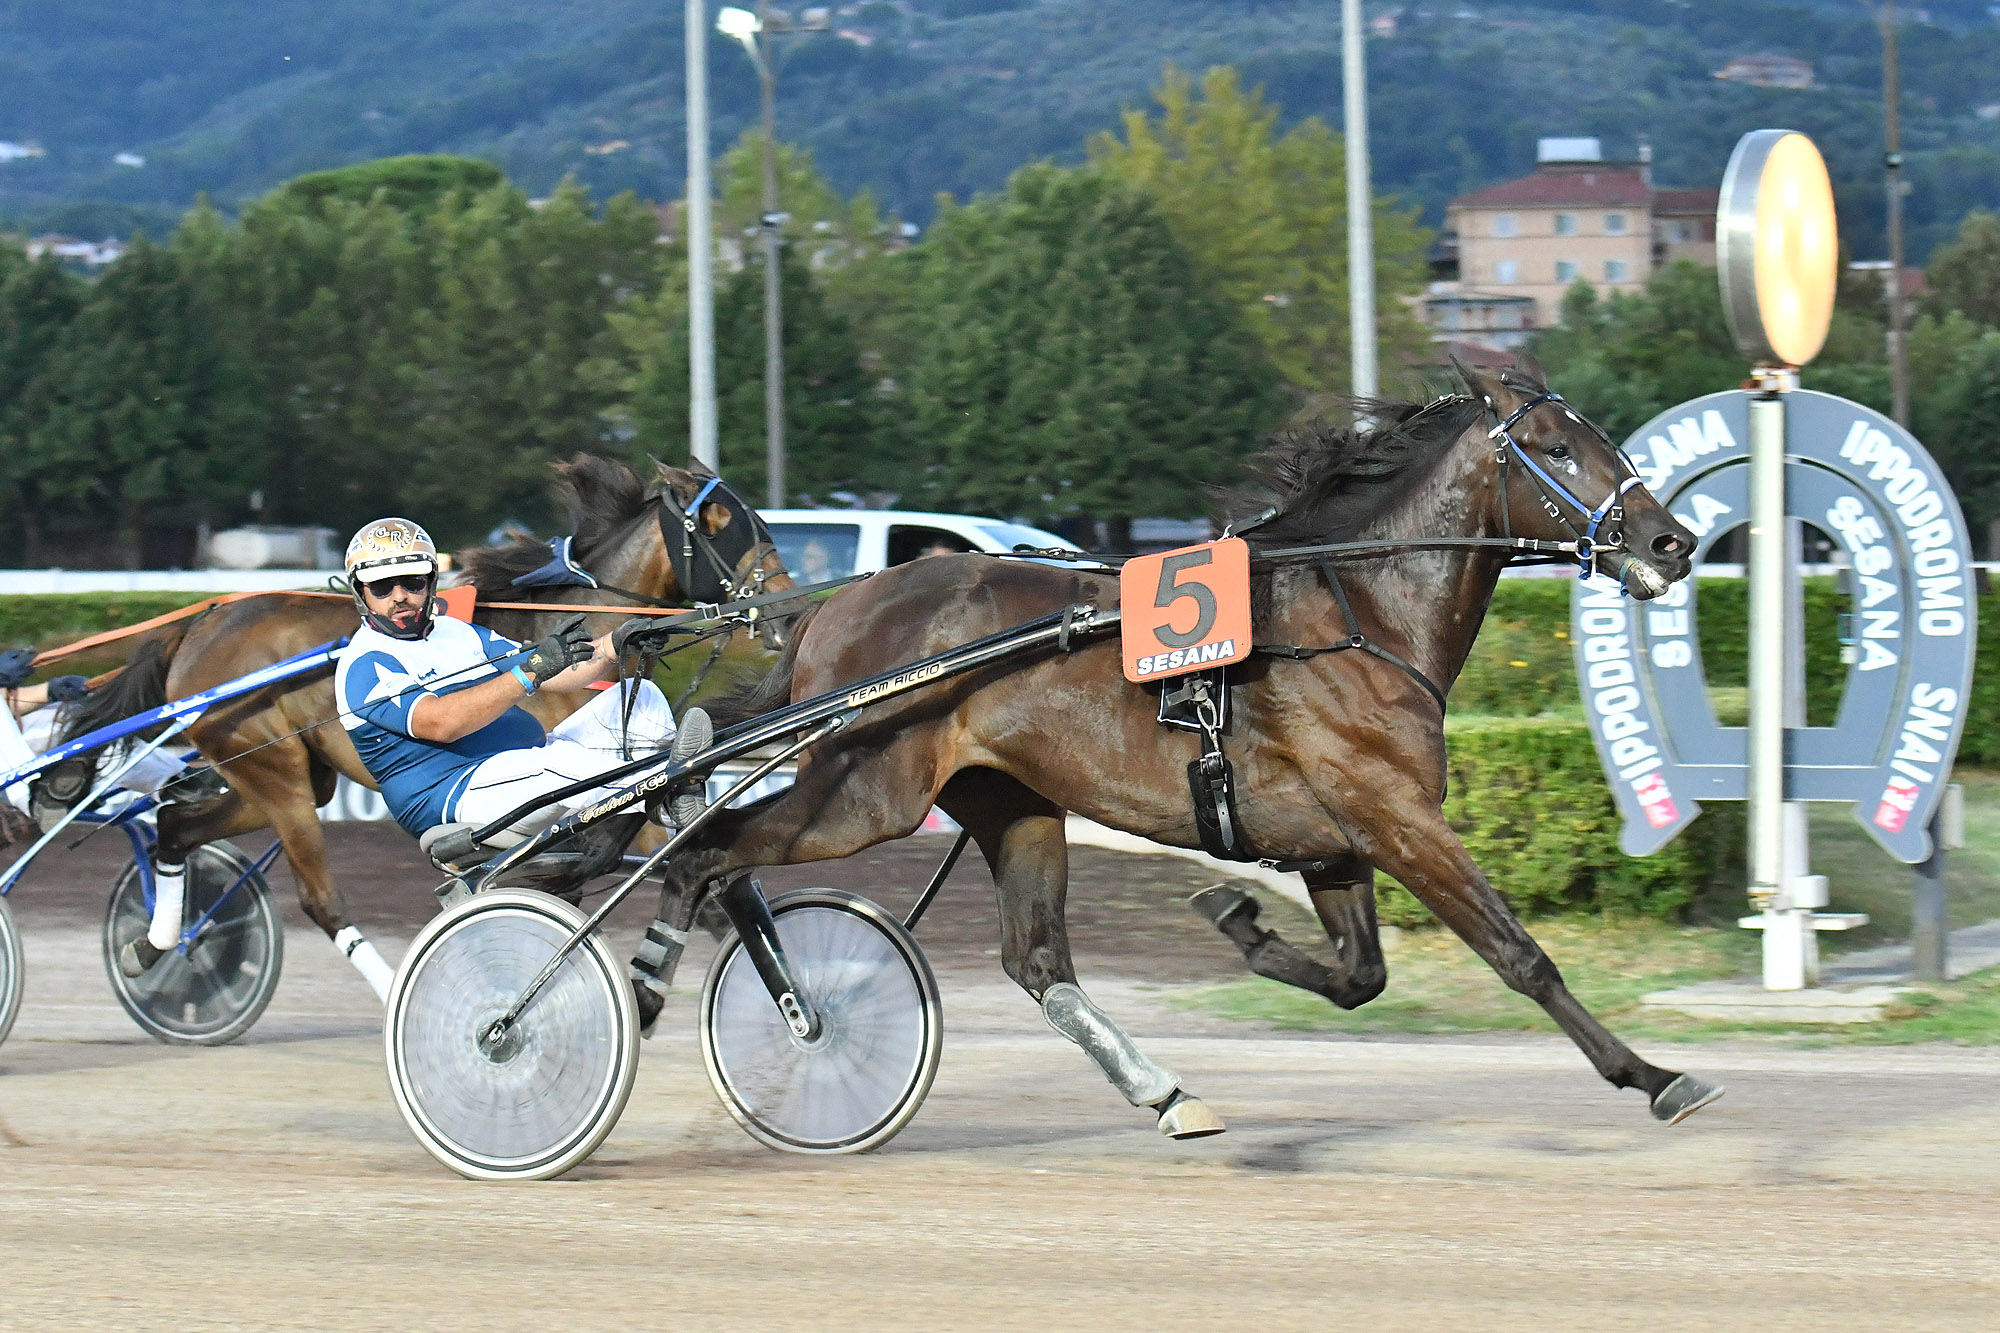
x=822 y=544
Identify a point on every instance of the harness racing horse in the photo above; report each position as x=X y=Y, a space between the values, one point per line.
x=281 y=748
x=1339 y=756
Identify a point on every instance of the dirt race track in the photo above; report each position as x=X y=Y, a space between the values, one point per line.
x=1364 y=1184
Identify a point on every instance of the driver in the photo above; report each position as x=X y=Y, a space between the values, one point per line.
x=432 y=704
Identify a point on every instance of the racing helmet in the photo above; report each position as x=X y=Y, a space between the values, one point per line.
x=392 y=548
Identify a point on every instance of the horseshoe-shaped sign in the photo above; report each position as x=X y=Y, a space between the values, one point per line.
x=1865 y=482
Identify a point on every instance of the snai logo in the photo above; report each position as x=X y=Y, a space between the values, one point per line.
x=1898 y=799
x=1656 y=799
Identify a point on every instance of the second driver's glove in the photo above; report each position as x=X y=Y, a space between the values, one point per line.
x=560 y=651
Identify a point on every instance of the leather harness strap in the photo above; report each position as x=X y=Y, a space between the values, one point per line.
x=1355 y=639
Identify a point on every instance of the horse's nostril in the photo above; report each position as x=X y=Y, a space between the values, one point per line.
x=1667 y=544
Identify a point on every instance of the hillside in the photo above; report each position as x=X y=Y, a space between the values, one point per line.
x=229 y=97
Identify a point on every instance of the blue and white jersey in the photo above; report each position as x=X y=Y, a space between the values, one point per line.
x=379 y=681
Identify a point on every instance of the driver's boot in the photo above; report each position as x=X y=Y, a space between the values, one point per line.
x=696 y=733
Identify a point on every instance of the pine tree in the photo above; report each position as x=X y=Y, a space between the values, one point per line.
x=37 y=302
x=1073 y=362
x=150 y=408
x=1265 y=217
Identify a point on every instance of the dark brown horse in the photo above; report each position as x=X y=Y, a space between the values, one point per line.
x=1339 y=757
x=280 y=749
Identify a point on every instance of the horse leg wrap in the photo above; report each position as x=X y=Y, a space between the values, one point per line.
x=1071 y=1013
x=659 y=955
x=1269 y=954
x=354 y=946
x=169 y=904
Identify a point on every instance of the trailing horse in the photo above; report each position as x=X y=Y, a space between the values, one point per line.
x=1339 y=756
x=281 y=749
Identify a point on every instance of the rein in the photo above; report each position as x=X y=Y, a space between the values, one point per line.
x=69 y=650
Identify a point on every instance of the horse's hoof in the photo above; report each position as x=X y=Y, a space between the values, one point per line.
x=1682 y=1098
x=650 y=1003
x=1185 y=1117
x=1219 y=902
x=138 y=957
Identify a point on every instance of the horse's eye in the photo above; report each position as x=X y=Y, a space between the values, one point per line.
x=1559 y=452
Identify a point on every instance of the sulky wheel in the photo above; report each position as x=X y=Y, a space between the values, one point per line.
x=213 y=988
x=863 y=1075
x=540 y=1100
x=10 y=968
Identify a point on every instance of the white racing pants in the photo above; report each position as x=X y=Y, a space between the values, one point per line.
x=588 y=742
x=23 y=740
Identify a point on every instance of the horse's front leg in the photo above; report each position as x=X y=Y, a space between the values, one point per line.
x=1400 y=829
x=1020 y=833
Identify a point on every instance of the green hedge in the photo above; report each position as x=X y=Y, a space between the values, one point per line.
x=48 y=619
x=1530 y=802
x=1522 y=664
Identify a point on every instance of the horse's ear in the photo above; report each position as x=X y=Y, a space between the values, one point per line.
x=1530 y=369
x=1478 y=383
x=671 y=478
x=699 y=469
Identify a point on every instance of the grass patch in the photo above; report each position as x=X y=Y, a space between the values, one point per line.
x=1437 y=985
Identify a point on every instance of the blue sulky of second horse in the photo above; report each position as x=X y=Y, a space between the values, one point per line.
x=231 y=944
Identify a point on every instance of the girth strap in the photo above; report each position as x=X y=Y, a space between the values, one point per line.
x=1355 y=639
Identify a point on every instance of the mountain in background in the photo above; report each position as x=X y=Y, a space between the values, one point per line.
x=130 y=110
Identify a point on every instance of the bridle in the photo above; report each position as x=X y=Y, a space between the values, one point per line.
x=706 y=570
x=1612 y=511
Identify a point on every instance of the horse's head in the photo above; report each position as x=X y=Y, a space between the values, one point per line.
x=1564 y=480
x=717 y=546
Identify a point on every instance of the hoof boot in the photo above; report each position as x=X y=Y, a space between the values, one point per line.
x=1185 y=1117
x=650 y=1003
x=1221 y=902
x=138 y=957
x=1682 y=1098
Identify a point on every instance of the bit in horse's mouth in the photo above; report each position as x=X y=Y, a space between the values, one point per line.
x=1642 y=580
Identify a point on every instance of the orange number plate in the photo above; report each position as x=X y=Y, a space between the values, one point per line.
x=1186 y=610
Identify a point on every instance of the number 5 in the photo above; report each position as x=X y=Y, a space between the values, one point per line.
x=1172 y=590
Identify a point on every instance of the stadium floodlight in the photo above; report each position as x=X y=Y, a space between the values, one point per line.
x=1777 y=248
x=742 y=24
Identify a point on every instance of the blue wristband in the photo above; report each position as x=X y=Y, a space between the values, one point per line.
x=527 y=681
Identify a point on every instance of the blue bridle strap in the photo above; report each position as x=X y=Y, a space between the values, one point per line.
x=1593 y=518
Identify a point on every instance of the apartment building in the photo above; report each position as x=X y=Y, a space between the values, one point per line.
x=1523 y=243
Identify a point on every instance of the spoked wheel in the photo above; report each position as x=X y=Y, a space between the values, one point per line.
x=10 y=969
x=212 y=991
x=540 y=1100
x=859 y=1080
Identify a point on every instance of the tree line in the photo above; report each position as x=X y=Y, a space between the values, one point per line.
x=1625 y=359
x=416 y=335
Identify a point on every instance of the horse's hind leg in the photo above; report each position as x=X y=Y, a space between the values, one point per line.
x=1412 y=842
x=182 y=827
x=287 y=784
x=1021 y=836
x=1343 y=893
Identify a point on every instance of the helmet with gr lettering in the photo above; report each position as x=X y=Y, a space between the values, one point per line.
x=392 y=548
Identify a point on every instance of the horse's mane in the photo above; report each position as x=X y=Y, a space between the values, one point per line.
x=601 y=496
x=1327 y=481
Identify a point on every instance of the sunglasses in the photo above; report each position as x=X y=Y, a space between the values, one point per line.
x=381 y=588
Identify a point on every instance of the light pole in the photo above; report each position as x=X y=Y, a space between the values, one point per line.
x=1892 y=166
x=1360 y=207
x=755 y=31
x=701 y=247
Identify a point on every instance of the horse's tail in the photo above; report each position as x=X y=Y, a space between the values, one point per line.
x=140 y=685
x=774 y=690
